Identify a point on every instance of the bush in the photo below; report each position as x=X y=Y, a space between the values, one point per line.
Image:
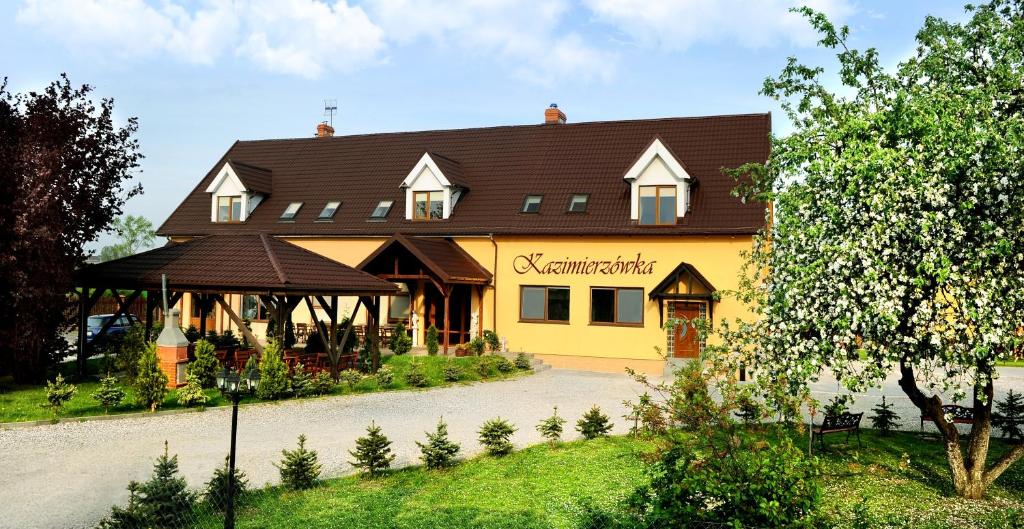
x=837 y=406
x=273 y=373
x=884 y=419
x=322 y=384
x=162 y=501
x=432 y=341
x=314 y=345
x=192 y=334
x=493 y=342
x=503 y=365
x=1009 y=416
x=350 y=377
x=415 y=377
x=523 y=362
x=594 y=424
x=551 y=428
x=289 y=333
x=438 y=451
x=217 y=488
x=477 y=346
x=485 y=367
x=300 y=468
x=151 y=381
x=401 y=342
x=228 y=339
x=129 y=348
x=451 y=371
x=271 y=330
x=191 y=394
x=206 y=365
x=494 y=436
x=353 y=340
x=647 y=418
x=300 y=381
x=251 y=365
x=58 y=393
x=212 y=337
x=385 y=376
x=373 y=452
x=109 y=393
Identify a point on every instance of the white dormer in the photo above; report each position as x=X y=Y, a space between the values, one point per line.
x=231 y=199
x=429 y=185
x=661 y=179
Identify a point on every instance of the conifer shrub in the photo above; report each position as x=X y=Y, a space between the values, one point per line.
x=192 y=334
x=314 y=345
x=191 y=394
x=477 y=346
x=228 y=339
x=151 y=381
x=289 y=333
x=495 y=435
x=109 y=394
x=352 y=342
x=433 y=342
x=385 y=376
x=439 y=451
x=251 y=365
x=206 y=365
x=1009 y=416
x=350 y=377
x=401 y=342
x=485 y=367
x=163 y=501
x=271 y=330
x=523 y=362
x=58 y=393
x=493 y=342
x=322 y=384
x=884 y=419
x=594 y=424
x=212 y=337
x=451 y=371
x=373 y=452
x=300 y=468
x=503 y=365
x=301 y=381
x=129 y=348
x=551 y=428
x=273 y=373
x=415 y=377
x=216 y=490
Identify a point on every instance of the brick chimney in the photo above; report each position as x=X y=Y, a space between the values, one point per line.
x=323 y=130
x=553 y=116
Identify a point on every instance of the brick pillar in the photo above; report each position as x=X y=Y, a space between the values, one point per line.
x=172 y=349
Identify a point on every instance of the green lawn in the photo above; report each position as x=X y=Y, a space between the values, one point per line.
x=903 y=477
x=23 y=403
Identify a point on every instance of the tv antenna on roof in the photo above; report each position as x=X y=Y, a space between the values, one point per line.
x=330 y=108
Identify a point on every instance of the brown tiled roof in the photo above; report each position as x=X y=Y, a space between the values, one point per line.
x=451 y=170
x=253 y=178
x=445 y=259
x=500 y=165
x=234 y=263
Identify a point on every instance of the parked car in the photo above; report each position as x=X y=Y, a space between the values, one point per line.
x=119 y=327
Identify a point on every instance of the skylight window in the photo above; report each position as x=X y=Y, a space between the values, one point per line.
x=578 y=203
x=531 y=204
x=329 y=210
x=382 y=209
x=291 y=211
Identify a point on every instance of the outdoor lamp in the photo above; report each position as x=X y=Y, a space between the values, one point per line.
x=231 y=384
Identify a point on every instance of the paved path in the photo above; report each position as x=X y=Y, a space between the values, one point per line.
x=68 y=475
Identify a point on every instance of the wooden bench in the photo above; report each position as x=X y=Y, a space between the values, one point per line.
x=844 y=422
x=959 y=414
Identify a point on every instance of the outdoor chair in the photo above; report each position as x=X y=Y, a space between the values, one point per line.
x=844 y=422
x=959 y=414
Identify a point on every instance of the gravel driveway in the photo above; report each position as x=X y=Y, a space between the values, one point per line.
x=68 y=475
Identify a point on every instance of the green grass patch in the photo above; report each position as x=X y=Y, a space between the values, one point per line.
x=23 y=403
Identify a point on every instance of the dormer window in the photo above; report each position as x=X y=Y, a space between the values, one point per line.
x=329 y=210
x=382 y=209
x=428 y=205
x=229 y=209
x=291 y=211
x=658 y=205
x=531 y=204
x=578 y=203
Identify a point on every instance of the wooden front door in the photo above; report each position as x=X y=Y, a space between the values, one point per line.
x=686 y=343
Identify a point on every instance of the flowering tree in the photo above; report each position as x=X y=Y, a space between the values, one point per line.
x=898 y=227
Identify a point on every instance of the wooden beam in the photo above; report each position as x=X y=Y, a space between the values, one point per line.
x=122 y=309
x=351 y=324
x=322 y=331
x=150 y=305
x=480 y=311
x=447 y=323
x=202 y=312
x=238 y=321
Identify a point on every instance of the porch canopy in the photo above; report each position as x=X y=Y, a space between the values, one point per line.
x=684 y=283
x=281 y=273
x=434 y=260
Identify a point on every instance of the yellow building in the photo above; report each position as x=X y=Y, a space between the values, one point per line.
x=574 y=242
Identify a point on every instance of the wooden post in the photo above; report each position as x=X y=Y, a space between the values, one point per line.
x=447 y=323
x=238 y=321
x=202 y=312
x=351 y=324
x=150 y=305
x=480 y=311
x=83 y=324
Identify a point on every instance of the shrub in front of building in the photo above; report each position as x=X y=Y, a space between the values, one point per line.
x=191 y=394
x=439 y=451
x=129 y=348
x=433 y=342
x=228 y=339
x=523 y=362
x=451 y=371
x=322 y=384
x=485 y=367
x=503 y=365
x=350 y=377
x=551 y=428
x=151 y=381
x=58 y=393
x=109 y=394
x=385 y=376
x=477 y=346
x=216 y=490
x=300 y=468
x=273 y=373
x=192 y=334
x=206 y=365
x=301 y=381
x=495 y=436
x=493 y=342
x=594 y=424
x=212 y=337
x=373 y=452
x=164 y=500
x=415 y=377
x=401 y=342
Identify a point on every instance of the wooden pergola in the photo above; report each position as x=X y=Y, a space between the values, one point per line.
x=282 y=274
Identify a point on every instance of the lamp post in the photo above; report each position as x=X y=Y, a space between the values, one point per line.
x=233 y=386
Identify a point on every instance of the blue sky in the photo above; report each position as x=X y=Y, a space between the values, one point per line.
x=200 y=74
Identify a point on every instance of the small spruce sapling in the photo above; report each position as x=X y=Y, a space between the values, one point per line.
x=302 y=381
x=300 y=468
x=433 y=344
x=1009 y=416
x=373 y=452
x=151 y=381
x=884 y=419
x=216 y=491
x=594 y=424
x=494 y=436
x=58 y=393
x=477 y=346
x=213 y=338
x=385 y=376
x=205 y=366
x=109 y=394
x=401 y=342
x=273 y=373
x=191 y=394
x=350 y=377
x=415 y=377
x=439 y=451
x=451 y=371
x=504 y=365
x=551 y=428
x=321 y=384
x=192 y=334
x=165 y=497
x=523 y=362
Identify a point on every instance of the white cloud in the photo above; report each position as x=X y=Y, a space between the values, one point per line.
x=678 y=24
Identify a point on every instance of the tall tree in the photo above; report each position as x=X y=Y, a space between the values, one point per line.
x=898 y=233
x=135 y=233
x=67 y=168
